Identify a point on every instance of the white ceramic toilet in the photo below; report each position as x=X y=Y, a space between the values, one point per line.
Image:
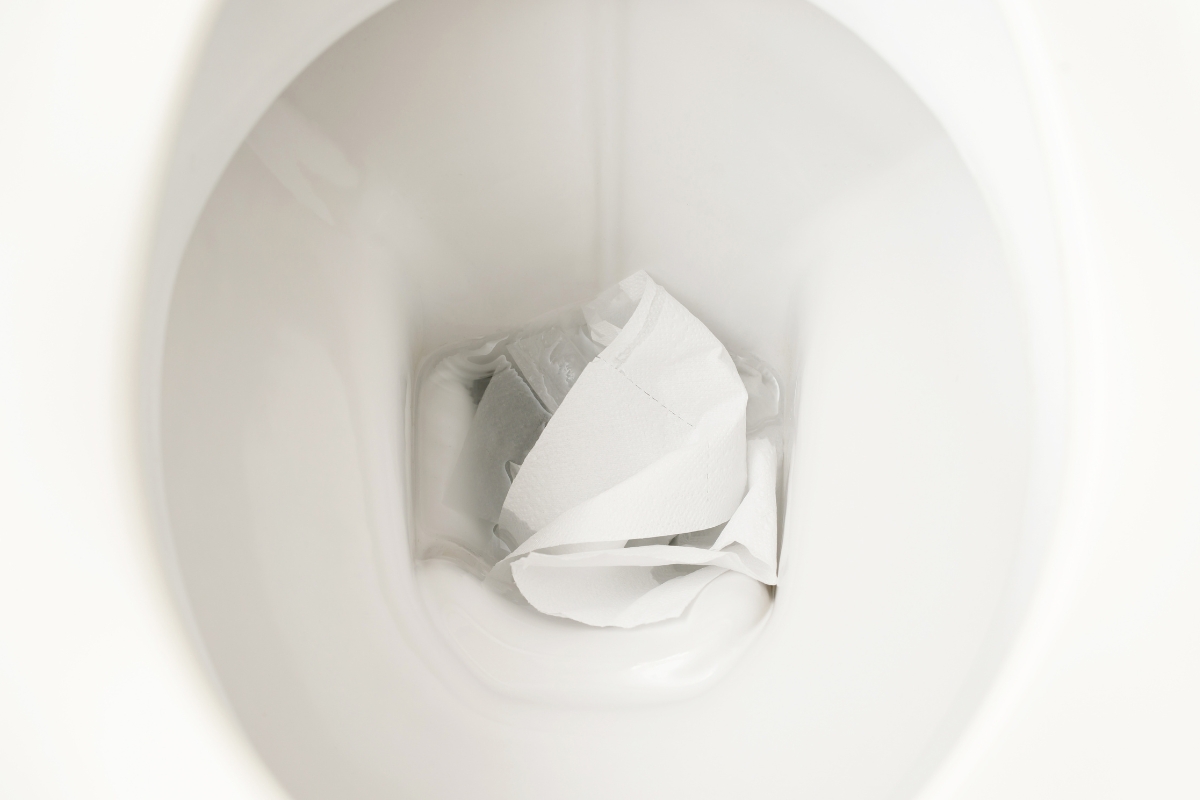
x=241 y=226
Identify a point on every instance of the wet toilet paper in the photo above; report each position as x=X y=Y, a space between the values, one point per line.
x=648 y=446
x=507 y=424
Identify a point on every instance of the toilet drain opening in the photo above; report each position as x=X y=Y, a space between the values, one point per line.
x=604 y=463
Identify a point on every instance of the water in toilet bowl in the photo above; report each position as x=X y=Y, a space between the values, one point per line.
x=575 y=535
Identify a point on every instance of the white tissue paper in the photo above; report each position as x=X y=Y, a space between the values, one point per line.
x=551 y=363
x=506 y=425
x=642 y=488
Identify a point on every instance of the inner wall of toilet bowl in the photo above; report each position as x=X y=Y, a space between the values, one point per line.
x=448 y=170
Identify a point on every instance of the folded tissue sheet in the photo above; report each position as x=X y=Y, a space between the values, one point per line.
x=608 y=458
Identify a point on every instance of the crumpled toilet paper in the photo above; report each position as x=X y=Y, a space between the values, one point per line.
x=508 y=422
x=648 y=444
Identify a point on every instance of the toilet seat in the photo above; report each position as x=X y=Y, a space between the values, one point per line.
x=1005 y=171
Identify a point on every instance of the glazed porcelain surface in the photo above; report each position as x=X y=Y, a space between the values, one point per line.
x=280 y=211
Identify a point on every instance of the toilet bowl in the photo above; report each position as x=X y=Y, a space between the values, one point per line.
x=443 y=172
x=882 y=208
